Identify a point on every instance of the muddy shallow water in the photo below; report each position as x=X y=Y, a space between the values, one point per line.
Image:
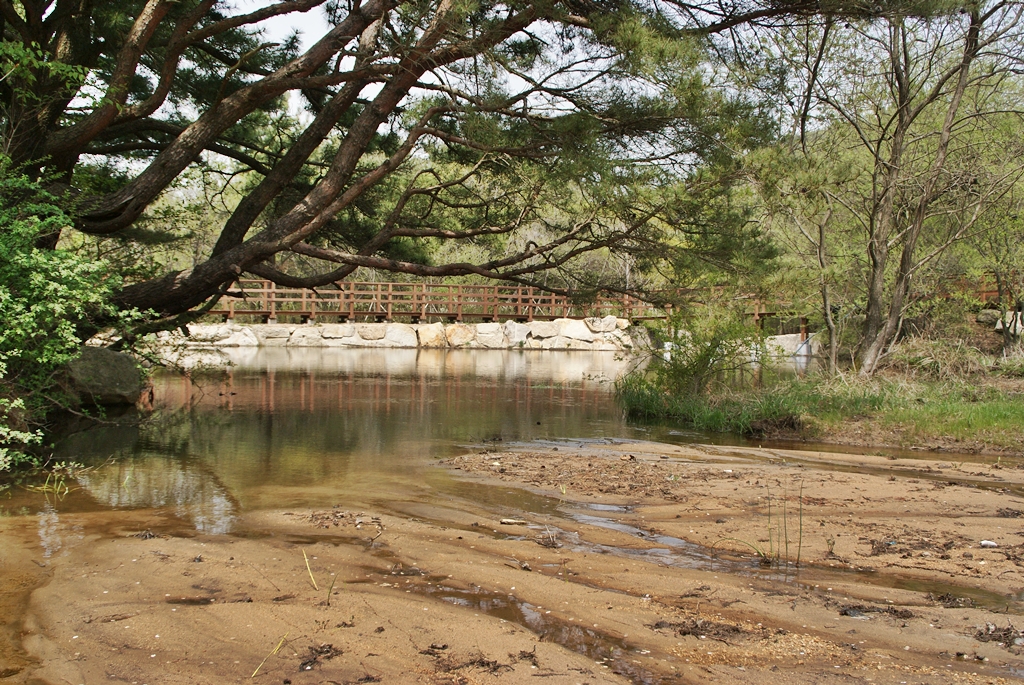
x=355 y=498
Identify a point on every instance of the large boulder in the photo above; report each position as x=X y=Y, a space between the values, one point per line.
x=459 y=334
x=543 y=329
x=516 y=333
x=490 y=335
x=338 y=330
x=988 y=317
x=102 y=376
x=605 y=324
x=372 y=331
x=400 y=335
x=575 y=329
x=431 y=335
x=306 y=336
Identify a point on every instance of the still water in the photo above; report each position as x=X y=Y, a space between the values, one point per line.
x=314 y=427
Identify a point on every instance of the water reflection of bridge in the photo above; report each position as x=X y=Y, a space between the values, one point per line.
x=271 y=379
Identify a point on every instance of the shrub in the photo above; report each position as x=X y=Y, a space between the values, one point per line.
x=47 y=296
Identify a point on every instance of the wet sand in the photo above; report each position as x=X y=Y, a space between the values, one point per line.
x=649 y=563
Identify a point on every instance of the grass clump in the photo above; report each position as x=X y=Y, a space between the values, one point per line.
x=782 y=405
x=901 y=410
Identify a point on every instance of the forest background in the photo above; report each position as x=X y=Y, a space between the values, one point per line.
x=859 y=162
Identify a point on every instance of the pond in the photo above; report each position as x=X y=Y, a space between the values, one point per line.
x=303 y=427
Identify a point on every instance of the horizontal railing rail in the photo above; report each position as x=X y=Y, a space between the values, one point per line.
x=423 y=302
x=353 y=300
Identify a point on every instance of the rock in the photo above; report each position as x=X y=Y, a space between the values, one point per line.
x=987 y=317
x=575 y=329
x=543 y=329
x=620 y=339
x=1013 y=321
x=516 y=333
x=273 y=330
x=372 y=331
x=306 y=336
x=557 y=343
x=242 y=337
x=603 y=325
x=338 y=330
x=401 y=335
x=459 y=334
x=490 y=335
x=272 y=334
x=102 y=376
x=431 y=335
x=209 y=334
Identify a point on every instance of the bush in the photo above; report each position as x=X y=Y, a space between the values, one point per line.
x=46 y=298
x=700 y=350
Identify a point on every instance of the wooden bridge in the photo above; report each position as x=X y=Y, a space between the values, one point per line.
x=424 y=302
x=418 y=302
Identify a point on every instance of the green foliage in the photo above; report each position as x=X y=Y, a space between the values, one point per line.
x=13 y=440
x=46 y=298
x=706 y=345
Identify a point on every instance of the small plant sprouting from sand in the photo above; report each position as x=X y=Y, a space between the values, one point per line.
x=777 y=551
x=331 y=589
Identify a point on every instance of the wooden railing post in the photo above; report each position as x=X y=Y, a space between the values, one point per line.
x=272 y=300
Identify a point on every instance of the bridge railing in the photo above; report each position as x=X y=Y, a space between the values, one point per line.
x=419 y=302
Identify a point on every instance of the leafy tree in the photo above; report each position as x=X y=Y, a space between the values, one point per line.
x=894 y=124
x=426 y=123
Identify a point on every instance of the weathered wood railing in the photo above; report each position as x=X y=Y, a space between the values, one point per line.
x=418 y=302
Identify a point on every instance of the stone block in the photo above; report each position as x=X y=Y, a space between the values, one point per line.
x=490 y=335
x=516 y=333
x=543 y=329
x=431 y=335
x=306 y=336
x=400 y=335
x=372 y=331
x=556 y=343
x=602 y=325
x=575 y=329
x=338 y=330
x=268 y=331
x=242 y=337
x=207 y=333
x=459 y=334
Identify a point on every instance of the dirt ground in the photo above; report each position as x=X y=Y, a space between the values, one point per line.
x=648 y=563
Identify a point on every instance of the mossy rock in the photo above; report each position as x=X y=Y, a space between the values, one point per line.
x=104 y=377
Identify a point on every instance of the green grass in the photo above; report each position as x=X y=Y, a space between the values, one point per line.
x=912 y=410
x=783 y=402
x=994 y=420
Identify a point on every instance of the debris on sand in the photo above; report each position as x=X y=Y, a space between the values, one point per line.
x=317 y=655
x=1008 y=636
x=861 y=610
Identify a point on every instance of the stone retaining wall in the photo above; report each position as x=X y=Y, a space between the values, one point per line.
x=600 y=334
